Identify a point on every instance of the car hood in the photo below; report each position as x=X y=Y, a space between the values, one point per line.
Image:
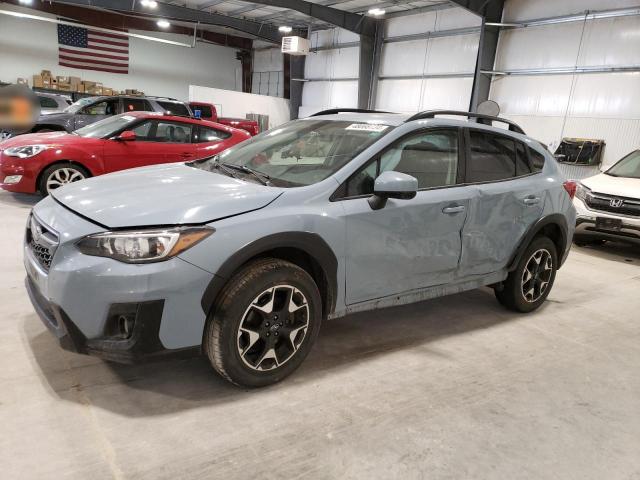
x=172 y=194
x=616 y=186
x=46 y=138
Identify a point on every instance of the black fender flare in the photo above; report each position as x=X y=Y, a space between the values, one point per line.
x=556 y=219
x=310 y=243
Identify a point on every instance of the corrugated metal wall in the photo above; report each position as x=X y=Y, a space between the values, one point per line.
x=268 y=71
x=332 y=73
x=428 y=61
x=550 y=106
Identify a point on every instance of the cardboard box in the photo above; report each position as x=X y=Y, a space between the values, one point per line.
x=80 y=88
x=94 y=90
x=46 y=73
x=60 y=79
x=107 y=91
x=75 y=81
x=22 y=81
x=88 y=84
x=65 y=87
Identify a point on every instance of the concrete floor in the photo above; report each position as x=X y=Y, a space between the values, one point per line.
x=451 y=388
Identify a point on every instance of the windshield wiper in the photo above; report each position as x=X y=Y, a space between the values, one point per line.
x=262 y=177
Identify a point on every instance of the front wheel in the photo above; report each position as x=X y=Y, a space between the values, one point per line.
x=528 y=286
x=264 y=324
x=59 y=175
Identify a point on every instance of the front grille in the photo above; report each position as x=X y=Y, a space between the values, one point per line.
x=605 y=203
x=42 y=241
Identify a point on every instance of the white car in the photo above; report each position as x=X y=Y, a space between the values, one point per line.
x=608 y=204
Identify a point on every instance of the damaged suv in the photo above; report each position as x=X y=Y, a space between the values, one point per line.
x=242 y=255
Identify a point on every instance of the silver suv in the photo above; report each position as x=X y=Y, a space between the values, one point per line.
x=242 y=255
x=91 y=109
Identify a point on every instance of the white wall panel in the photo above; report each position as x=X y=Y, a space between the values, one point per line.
x=606 y=95
x=456 y=54
x=403 y=58
x=399 y=95
x=318 y=96
x=456 y=18
x=530 y=9
x=411 y=24
x=446 y=93
x=547 y=46
x=334 y=36
x=532 y=95
x=337 y=63
x=410 y=96
x=611 y=42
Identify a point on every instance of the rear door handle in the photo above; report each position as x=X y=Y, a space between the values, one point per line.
x=531 y=200
x=456 y=209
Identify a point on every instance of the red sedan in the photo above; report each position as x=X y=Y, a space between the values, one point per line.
x=41 y=162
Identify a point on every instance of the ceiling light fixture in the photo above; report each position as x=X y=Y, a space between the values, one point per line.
x=285 y=29
x=163 y=24
x=376 y=12
x=26 y=2
x=149 y=3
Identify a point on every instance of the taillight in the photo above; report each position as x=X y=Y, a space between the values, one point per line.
x=570 y=186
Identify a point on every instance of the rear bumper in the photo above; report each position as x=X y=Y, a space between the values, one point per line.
x=144 y=343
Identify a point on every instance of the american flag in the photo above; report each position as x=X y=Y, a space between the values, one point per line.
x=91 y=50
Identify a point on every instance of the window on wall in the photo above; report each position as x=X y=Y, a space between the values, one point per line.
x=493 y=157
x=431 y=157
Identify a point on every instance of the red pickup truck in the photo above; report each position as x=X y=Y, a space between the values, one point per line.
x=208 y=112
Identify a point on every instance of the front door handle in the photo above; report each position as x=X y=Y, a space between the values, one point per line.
x=455 y=209
x=531 y=200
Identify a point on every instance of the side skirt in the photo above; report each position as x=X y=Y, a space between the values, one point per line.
x=414 y=296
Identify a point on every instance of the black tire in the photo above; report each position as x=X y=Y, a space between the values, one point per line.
x=59 y=167
x=523 y=297
x=240 y=303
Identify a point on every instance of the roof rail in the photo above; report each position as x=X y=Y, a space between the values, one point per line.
x=163 y=98
x=481 y=118
x=333 y=111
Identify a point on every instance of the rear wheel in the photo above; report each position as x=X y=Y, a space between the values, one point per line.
x=528 y=286
x=264 y=324
x=59 y=175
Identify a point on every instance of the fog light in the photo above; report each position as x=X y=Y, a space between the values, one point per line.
x=12 y=179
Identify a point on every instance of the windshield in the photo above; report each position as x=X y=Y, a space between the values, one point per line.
x=105 y=128
x=302 y=152
x=75 y=106
x=628 y=167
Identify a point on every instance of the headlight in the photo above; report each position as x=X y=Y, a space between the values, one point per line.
x=25 y=152
x=143 y=246
x=582 y=192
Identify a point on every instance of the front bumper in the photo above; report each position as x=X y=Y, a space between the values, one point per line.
x=586 y=225
x=80 y=297
x=24 y=168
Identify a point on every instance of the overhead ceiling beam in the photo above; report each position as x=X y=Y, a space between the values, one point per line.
x=340 y=18
x=116 y=21
x=184 y=14
x=488 y=9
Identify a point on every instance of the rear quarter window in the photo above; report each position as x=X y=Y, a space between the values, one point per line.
x=537 y=160
x=175 y=108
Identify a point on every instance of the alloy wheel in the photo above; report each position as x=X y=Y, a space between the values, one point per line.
x=537 y=275
x=273 y=328
x=63 y=176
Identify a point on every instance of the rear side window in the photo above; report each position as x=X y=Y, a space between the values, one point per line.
x=537 y=160
x=136 y=105
x=493 y=157
x=47 y=102
x=204 y=135
x=175 y=108
x=205 y=110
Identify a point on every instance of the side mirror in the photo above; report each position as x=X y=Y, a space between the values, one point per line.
x=126 y=136
x=392 y=185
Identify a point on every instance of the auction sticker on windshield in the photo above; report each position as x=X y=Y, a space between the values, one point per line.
x=367 y=127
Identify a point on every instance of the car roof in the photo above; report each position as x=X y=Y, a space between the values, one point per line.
x=179 y=118
x=393 y=119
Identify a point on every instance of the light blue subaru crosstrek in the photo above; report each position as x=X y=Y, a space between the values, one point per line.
x=241 y=256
